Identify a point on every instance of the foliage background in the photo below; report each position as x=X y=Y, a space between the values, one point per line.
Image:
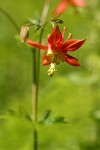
x=73 y=92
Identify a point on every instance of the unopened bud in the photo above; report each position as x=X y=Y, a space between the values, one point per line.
x=24 y=33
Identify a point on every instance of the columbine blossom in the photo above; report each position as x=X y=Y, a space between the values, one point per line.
x=63 y=4
x=57 y=49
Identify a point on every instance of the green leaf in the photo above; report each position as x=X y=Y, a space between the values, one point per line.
x=45 y=116
x=60 y=120
x=11 y=113
x=96 y=114
x=28 y=117
x=36 y=24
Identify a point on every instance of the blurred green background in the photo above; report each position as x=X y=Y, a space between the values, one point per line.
x=73 y=92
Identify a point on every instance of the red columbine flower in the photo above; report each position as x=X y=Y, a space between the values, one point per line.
x=57 y=49
x=63 y=4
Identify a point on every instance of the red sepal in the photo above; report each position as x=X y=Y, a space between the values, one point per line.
x=40 y=46
x=72 y=45
x=71 y=60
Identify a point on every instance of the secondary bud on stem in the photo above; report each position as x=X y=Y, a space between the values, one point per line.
x=51 y=69
x=24 y=33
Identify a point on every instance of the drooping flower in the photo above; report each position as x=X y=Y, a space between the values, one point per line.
x=63 y=4
x=57 y=49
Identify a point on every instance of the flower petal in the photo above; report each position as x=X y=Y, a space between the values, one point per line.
x=61 y=7
x=40 y=46
x=55 y=38
x=71 y=60
x=44 y=60
x=78 y=2
x=72 y=45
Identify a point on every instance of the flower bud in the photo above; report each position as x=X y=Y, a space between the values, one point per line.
x=24 y=33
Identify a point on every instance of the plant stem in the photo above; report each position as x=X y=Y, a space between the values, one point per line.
x=36 y=63
x=35 y=139
x=34 y=97
x=6 y=14
x=45 y=11
x=43 y=19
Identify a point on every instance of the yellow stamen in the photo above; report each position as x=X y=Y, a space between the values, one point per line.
x=51 y=69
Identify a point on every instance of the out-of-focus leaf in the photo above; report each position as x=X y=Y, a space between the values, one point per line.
x=45 y=116
x=36 y=24
x=11 y=112
x=60 y=120
x=96 y=114
x=28 y=117
x=47 y=120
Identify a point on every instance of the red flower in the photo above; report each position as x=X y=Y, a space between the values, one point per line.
x=57 y=49
x=63 y=4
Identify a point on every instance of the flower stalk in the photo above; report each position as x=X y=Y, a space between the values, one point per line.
x=36 y=73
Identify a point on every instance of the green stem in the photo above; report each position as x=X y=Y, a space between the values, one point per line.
x=37 y=55
x=45 y=11
x=6 y=14
x=35 y=139
x=36 y=64
x=34 y=97
x=43 y=19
